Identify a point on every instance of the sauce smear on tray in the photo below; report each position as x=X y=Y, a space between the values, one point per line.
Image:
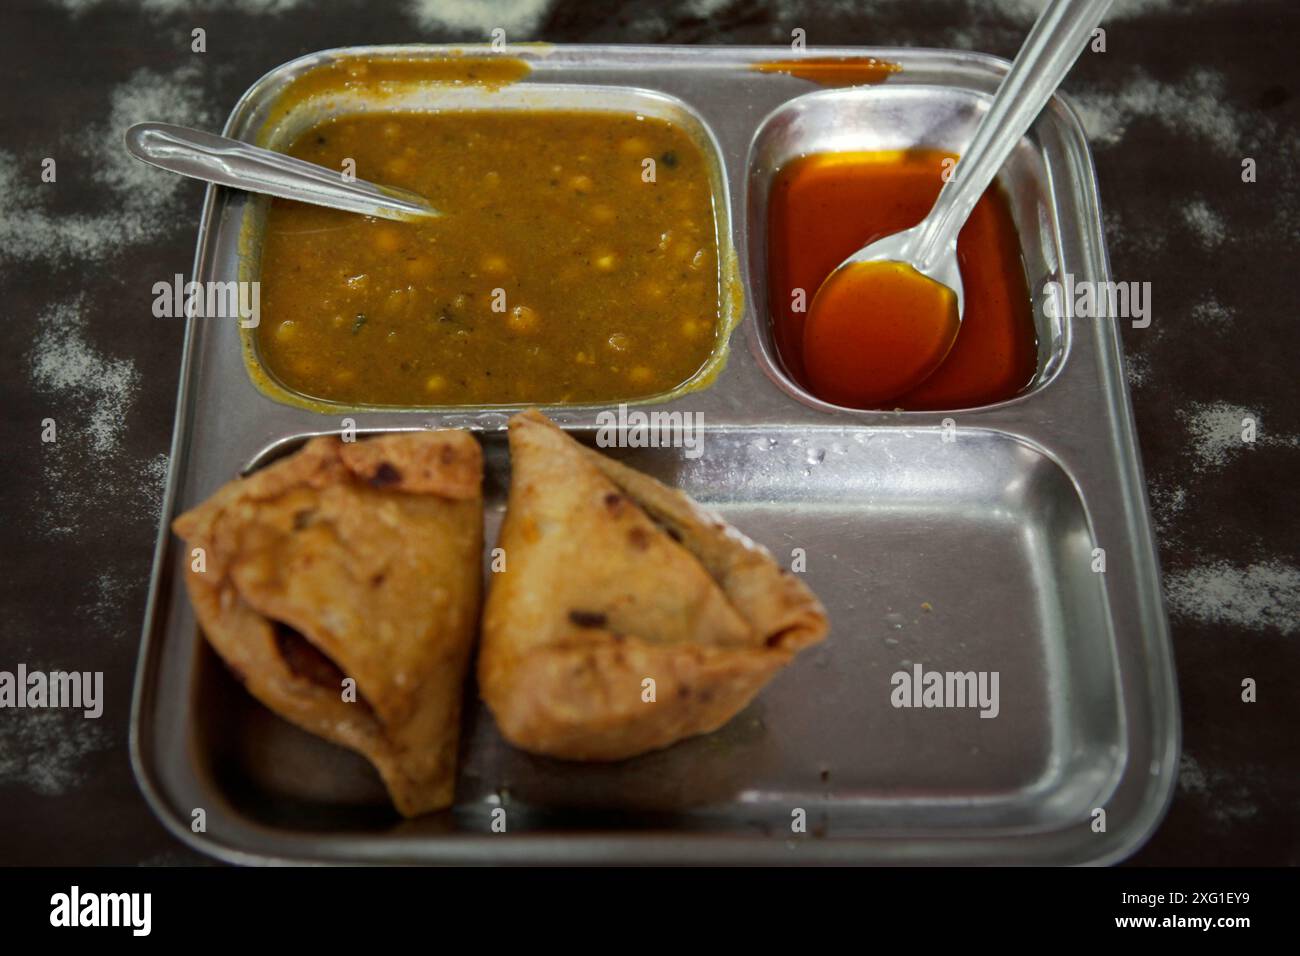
x=826 y=206
x=576 y=261
x=833 y=70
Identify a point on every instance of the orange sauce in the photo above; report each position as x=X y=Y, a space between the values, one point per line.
x=902 y=325
x=833 y=70
x=825 y=206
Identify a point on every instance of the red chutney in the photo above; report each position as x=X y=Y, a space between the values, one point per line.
x=825 y=206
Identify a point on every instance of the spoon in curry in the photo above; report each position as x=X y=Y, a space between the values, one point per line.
x=887 y=317
x=228 y=162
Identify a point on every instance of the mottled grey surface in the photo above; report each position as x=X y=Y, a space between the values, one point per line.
x=1184 y=92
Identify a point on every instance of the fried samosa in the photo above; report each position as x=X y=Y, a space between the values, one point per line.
x=613 y=580
x=357 y=560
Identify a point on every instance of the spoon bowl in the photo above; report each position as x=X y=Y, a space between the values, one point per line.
x=865 y=356
x=899 y=247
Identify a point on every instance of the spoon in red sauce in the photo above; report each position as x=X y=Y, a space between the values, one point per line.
x=886 y=318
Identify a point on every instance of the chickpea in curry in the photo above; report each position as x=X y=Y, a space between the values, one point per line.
x=576 y=260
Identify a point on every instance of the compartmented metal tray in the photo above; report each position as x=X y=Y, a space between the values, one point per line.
x=960 y=540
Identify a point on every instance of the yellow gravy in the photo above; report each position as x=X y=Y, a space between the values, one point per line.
x=576 y=261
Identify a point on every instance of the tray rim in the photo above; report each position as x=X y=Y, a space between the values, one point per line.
x=664 y=847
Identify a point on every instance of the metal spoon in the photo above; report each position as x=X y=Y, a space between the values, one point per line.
x=859 y=377
x=229 y=162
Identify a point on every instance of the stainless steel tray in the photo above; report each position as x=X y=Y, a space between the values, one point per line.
x=968 y=554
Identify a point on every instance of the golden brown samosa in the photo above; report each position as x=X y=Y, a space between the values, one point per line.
x=353 y=560
x=611 y=579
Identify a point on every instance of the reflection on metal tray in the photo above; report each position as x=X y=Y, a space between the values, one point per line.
x=959 y=540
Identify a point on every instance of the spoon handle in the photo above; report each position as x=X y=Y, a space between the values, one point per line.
x=229 y=162
x=1054 y=43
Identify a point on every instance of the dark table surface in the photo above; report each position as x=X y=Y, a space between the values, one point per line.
x=1185 y=91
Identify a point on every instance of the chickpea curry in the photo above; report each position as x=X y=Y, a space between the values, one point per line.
x=576 y=260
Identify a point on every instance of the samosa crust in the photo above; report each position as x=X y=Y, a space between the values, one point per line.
x=612 y=578
x=359 y=560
